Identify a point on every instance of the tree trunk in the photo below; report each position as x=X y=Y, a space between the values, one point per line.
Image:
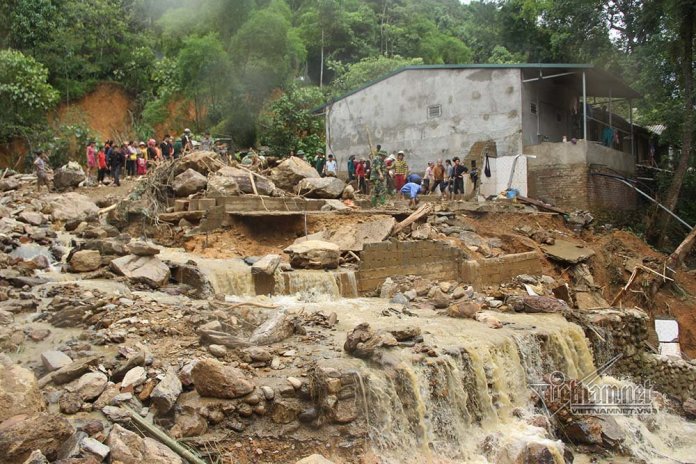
x=657 y=228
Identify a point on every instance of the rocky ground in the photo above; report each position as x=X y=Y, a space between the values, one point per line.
x=115 y=351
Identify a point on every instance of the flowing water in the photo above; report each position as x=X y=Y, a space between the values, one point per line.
x=470 y=403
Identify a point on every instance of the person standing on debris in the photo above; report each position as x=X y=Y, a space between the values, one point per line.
x=449 y=175
x=102 y=166
x=351 y=168
x=360 y=174
x=108 y=150
x=131 y=159
x=118 y=157
x=331 y=167
x=165 y=148
x=411 y=190
x=177 y=148
x=378 y=176
x=207 y=142
x=400 y=171
x=300 y=154
x=187 y=141
x=458 y=172
x=41 y=167
x=320 y=162
x=142 y=164
x=152 y=153
x=439 y=178
x=91 y=160
x=428 y=177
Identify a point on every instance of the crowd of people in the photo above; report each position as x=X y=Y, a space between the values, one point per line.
x=390 y=174
x=379 y=175
x=133 y=159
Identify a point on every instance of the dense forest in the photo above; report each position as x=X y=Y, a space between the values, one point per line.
x=250 y=69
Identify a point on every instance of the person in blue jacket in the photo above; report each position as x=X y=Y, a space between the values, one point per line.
x=411 y=190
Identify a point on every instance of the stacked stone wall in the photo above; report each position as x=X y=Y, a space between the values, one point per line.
x=620 y=336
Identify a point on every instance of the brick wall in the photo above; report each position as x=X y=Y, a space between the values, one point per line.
x=574 y=187
x=429 y=259
x=609 y=194
x=438 y=261
x=493 y=271
x=562 y=185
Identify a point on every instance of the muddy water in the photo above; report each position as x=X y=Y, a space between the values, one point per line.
x=469 y=404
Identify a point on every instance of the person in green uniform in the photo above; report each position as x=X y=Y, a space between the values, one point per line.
x=320 y=162
x=378 y=177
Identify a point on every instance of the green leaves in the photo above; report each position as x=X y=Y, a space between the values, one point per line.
x=25 y=95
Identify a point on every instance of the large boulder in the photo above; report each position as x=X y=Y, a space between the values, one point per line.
x=203 y=162
x=243 y=180
x=363 y=341
x=290 y=172
x=69 y=176
x=147 y=269
x=189 y=182
x=85 y=261
x=72 y=206
x=19 y=391
x=221 y=185
x=22 y=435
x=217 y=380
x=129 y=448
x=314 y=254
x=321 y=187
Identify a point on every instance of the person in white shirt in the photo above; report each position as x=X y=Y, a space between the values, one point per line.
x=331 y=167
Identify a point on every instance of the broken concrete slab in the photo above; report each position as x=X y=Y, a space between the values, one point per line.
x=567 y=252
x=355 y=237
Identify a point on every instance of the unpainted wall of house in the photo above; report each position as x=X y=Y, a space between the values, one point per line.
x=475 y=105
x=561 y=174
x=554 y=105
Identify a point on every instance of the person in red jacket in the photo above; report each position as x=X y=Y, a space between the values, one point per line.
x=360 y=174
x=101 y=165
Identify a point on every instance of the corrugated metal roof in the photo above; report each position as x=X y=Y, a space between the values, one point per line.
x=656 y=128
x=596 y=77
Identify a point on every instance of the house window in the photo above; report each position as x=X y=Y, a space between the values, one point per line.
x=434 y=111
x=534 y=109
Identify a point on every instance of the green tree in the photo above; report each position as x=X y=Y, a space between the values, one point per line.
x=287 y=123
x=355 y=75
x=25 y=95
x=203 y=67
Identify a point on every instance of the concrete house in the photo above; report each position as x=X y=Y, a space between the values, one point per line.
x=517 y=116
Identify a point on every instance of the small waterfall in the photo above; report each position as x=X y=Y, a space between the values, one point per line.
x=446 y=407
x=470 y=403
x=347 y=284
x=311 y=282
x=228 y=276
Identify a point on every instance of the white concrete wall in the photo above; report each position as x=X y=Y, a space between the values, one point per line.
x=501 y=168
x=477 y=104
